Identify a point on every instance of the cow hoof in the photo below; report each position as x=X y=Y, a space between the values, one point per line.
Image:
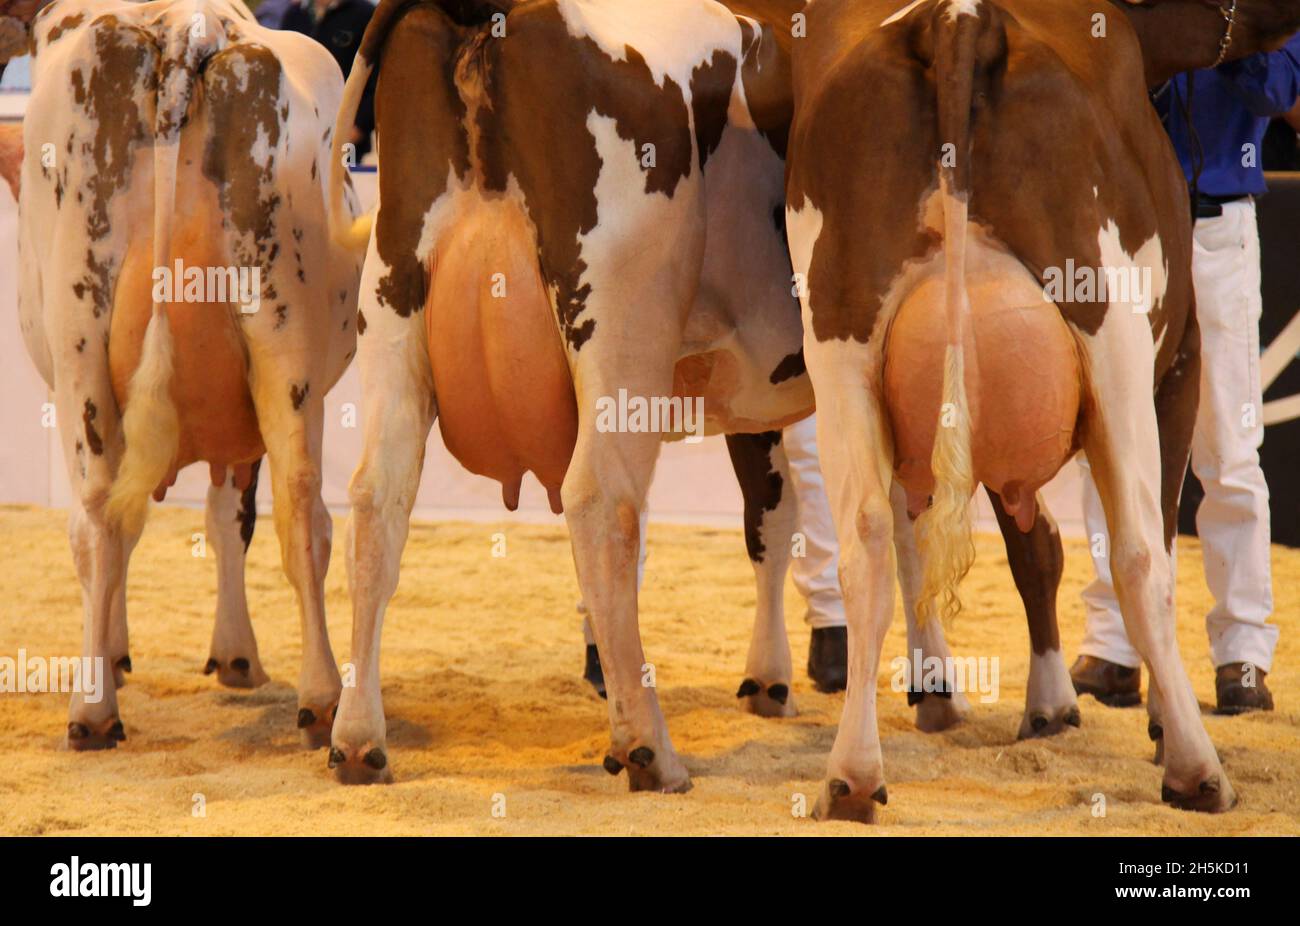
x=649 y=771
x=361 y=767
x=121 y=668
x=315 y=725
x=767 y=701
x=1039 y=722
x=838 y=801
x=938 y=711
x=239 y=672
x=85 y=738
x=1212 y=795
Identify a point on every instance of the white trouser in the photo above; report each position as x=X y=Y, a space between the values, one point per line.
x=816 y=573
x=1233 y=520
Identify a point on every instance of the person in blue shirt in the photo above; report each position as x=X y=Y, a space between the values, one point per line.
x=271 y=13
x=1231 y=107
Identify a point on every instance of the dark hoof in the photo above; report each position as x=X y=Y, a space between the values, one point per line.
x=828 y=658
x=239 y=673
x=839 y=801
x=772 y=701
x=639 y=779
x=1042 y=721
x=916 y=695
x=592 y=672
x=314 y=726
x=1155 y=731
x=648 y=771
x=937 y=711
x=81 y=738
x=1213 y=795
x=368 y=768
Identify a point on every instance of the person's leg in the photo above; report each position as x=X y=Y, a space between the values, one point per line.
x=1108 y=667
x=815 y=561
x=815 y=571
x=1233 y=519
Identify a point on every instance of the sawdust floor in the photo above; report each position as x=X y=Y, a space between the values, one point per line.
x=482 y=662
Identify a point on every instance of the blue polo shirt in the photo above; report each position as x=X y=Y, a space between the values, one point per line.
x=1231 y=109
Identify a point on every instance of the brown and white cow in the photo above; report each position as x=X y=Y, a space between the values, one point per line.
x=164 y=138
x=618 y=165
x=1000 y=142
x=601 y=161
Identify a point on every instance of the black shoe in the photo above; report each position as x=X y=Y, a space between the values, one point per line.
x=1110 y=683
x=593 y=672
x=828 y=658
x=1234 y=696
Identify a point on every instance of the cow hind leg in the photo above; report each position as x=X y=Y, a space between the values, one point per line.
x=1176 y=406
x=1037 y=562
x=764 y=475
x=99 y=550
x=856 y=460
x=291 y=416
x=938 y=707
x=231 y=515
x=604 y=489
x=1120 y=438
x=119 y=647
x=397 y=394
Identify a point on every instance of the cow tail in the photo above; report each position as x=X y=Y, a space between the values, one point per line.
x=150 y=424
x=963 y=47
x=347 y=232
